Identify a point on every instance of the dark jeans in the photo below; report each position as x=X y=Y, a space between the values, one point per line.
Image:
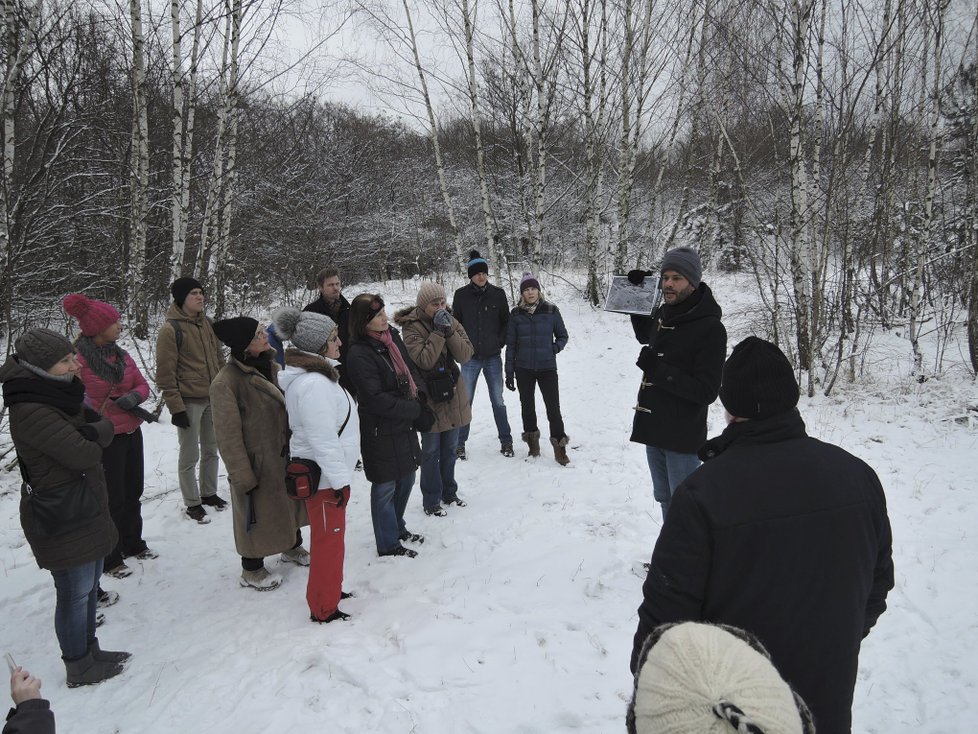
x=388 y=500
x=526 y=382
x=76 y=595
x=438 y=467
x=253 y=564
x=122 y=461
x=492 y=369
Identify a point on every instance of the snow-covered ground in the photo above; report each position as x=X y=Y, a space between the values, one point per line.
x=517 y=615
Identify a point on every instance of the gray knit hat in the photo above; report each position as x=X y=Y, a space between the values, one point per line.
x=429 y=292
x=307 y=330
x=42 y=348
x=686 y=262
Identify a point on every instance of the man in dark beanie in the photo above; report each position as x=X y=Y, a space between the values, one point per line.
x=483 y=311
x=188 y=358
x=779 y=534
x=681 y=362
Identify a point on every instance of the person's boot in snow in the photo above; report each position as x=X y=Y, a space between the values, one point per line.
x=506 y=450
x=87 y=670
x=532 y=439
x=106 y=598
x=560 y=450
x=460 y=452
x=297 y=555
x=214 y=501
x=261 y=579
x=110 y=656
x=334 y=617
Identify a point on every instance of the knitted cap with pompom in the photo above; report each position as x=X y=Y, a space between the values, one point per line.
x=93 y=316
x=307 y=330
x=477 y=264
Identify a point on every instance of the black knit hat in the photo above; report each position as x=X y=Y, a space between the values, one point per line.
x=477 y=264
x=686 y=262
x=42 y=348
x=181 y=289
x=758 y=381
x=236 y=333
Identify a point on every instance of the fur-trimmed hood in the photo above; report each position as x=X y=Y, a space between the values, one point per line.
x=308 y=362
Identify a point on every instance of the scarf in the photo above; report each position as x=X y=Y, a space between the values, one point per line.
x=400 y=366
x=64 y=395
x=692 y=300
x=107 y=362
x=262 y=363
x=530 y=309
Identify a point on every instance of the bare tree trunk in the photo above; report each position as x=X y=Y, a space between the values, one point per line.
x=460 y=258
x=916 y=285
x=476 y=120
x=139 y=176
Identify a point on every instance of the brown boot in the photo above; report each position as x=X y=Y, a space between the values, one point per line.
x=560 y=450
x=532 y=439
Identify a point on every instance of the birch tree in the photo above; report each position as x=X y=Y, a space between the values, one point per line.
x=139 y=175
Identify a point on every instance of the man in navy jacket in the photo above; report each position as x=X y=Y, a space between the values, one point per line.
x=779 y=534
x=482 y=310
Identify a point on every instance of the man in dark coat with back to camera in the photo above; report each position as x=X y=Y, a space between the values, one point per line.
x=779 y=534
x=681 y=364
x=482 y=310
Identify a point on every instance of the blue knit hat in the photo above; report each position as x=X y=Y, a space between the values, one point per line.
x=477 y=264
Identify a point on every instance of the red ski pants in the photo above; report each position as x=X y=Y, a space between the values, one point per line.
x=327 y=526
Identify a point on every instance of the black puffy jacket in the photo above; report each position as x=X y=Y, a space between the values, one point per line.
x=686 y=352
x=788 y=538
x=388 y=442
x=484 y=314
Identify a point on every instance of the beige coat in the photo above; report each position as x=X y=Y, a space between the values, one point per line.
x=429 y=349
x=186 y=373
x=252 y=436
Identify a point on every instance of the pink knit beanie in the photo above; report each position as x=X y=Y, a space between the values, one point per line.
x=93 y=316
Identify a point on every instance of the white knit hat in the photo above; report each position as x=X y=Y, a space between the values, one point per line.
x=700 y=678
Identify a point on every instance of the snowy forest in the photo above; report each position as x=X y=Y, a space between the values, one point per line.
x=829 y=148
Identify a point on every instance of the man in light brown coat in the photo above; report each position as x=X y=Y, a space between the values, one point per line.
x=437 y=344
x=188 y=358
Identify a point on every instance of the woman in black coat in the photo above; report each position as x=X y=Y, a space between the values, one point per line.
x=391 y=412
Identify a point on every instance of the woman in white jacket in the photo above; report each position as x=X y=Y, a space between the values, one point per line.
x=325 y=429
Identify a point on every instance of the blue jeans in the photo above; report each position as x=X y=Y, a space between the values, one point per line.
x=668 y=469
x=76 y=595
x=438 y=467
x=388 y=500
x=492 y=368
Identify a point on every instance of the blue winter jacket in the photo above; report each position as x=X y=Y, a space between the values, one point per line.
x=533 y=340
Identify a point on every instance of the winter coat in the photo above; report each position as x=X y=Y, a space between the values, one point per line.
x=534 y=340
x=318 y=409
x=54 y=454
x=33 y=716
x=101 y=393
x=252 y=435
x=484 y=312
x=788 y=538
x=388 y=442
x=186 y=373
x=432 y=352
x=686 y=353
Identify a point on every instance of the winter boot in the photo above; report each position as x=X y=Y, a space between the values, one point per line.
x=261 y=579
x=298 y=555
x=87 y=671
x=560 y=450
x=108 y=656
x=506 y=450
x=532 y=439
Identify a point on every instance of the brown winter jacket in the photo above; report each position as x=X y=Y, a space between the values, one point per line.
x=429 y=350
x=252 y=436
x=186 y=373
x=54 y=454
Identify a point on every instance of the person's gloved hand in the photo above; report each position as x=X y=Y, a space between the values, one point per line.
x=635 y=277
x=425 y=420
x=340 y=498
x=129 y=401
x=511 y=383
x=101 y=432
x=180 y=420
x=443 y=322
x=647 y=360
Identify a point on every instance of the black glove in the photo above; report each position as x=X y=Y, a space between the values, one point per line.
x=647 y=360
x=180 y=420
x=128 y=401
x=635 y=277
x=424 y=422
x=101 y=432
x=511 y=383
x=340 y=499
x=443 y=322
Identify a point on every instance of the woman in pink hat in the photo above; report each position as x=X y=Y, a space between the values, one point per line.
x=114 y=387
